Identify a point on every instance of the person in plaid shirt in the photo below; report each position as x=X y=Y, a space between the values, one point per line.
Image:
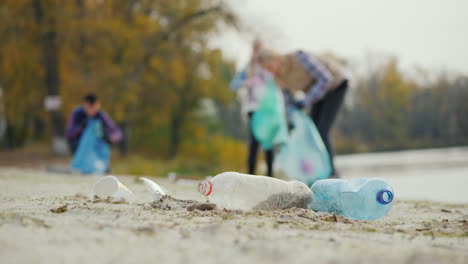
x=322 y=80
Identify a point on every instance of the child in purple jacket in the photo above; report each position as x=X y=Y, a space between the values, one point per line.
x=90 y=109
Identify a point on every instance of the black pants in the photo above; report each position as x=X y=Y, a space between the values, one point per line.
x=324 y=113
x=253 y=151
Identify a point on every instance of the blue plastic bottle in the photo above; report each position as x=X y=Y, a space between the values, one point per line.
x=363 y=199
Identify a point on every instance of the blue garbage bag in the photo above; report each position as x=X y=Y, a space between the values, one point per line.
x=305 y=157
x=268 y=122
x=93 y=153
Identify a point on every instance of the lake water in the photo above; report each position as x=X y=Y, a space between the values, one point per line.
x=434 y=175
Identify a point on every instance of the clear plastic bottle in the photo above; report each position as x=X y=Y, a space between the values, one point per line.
x=237 y=191
x=363 y=199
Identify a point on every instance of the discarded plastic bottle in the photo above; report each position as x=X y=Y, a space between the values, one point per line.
x=236 y=191
x=363 y=199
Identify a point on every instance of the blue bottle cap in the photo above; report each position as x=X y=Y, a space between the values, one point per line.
x=384 y=196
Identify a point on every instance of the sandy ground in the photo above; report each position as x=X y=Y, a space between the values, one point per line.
x=87 y=232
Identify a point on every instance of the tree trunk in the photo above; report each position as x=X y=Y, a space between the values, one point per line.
x=9 y=138
x=174 y=134
x=123 y=145
x=50 y=62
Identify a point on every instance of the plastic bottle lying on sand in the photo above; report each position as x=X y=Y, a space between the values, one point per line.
x=363 y=199
x=236 y=191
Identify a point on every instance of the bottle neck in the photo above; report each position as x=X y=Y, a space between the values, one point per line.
x=205 y=188
x=384 y=196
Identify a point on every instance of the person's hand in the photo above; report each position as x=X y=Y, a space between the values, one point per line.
x=114 y=138
x=300 y=104
x=252 y=82
x=81 y=122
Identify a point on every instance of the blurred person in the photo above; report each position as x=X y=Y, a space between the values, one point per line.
x=253 y=81
x=89 y=133
x=321 y=79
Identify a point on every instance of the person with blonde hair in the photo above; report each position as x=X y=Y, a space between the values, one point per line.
x=252 y=79
x=322 y=80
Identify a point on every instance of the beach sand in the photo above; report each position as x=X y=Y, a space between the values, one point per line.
x=87 y=232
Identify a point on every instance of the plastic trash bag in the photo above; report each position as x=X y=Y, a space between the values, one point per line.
x=269 y=120
x=93 y=153
x=305 y=157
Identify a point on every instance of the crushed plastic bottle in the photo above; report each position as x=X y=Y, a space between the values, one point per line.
x=156 y=191
x=363 y=199
x=237 y=191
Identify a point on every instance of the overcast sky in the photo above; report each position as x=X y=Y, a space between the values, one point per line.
x=429 y=33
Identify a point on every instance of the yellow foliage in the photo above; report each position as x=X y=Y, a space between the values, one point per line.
x=137 y=56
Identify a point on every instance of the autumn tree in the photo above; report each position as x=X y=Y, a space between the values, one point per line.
x=147 y=60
